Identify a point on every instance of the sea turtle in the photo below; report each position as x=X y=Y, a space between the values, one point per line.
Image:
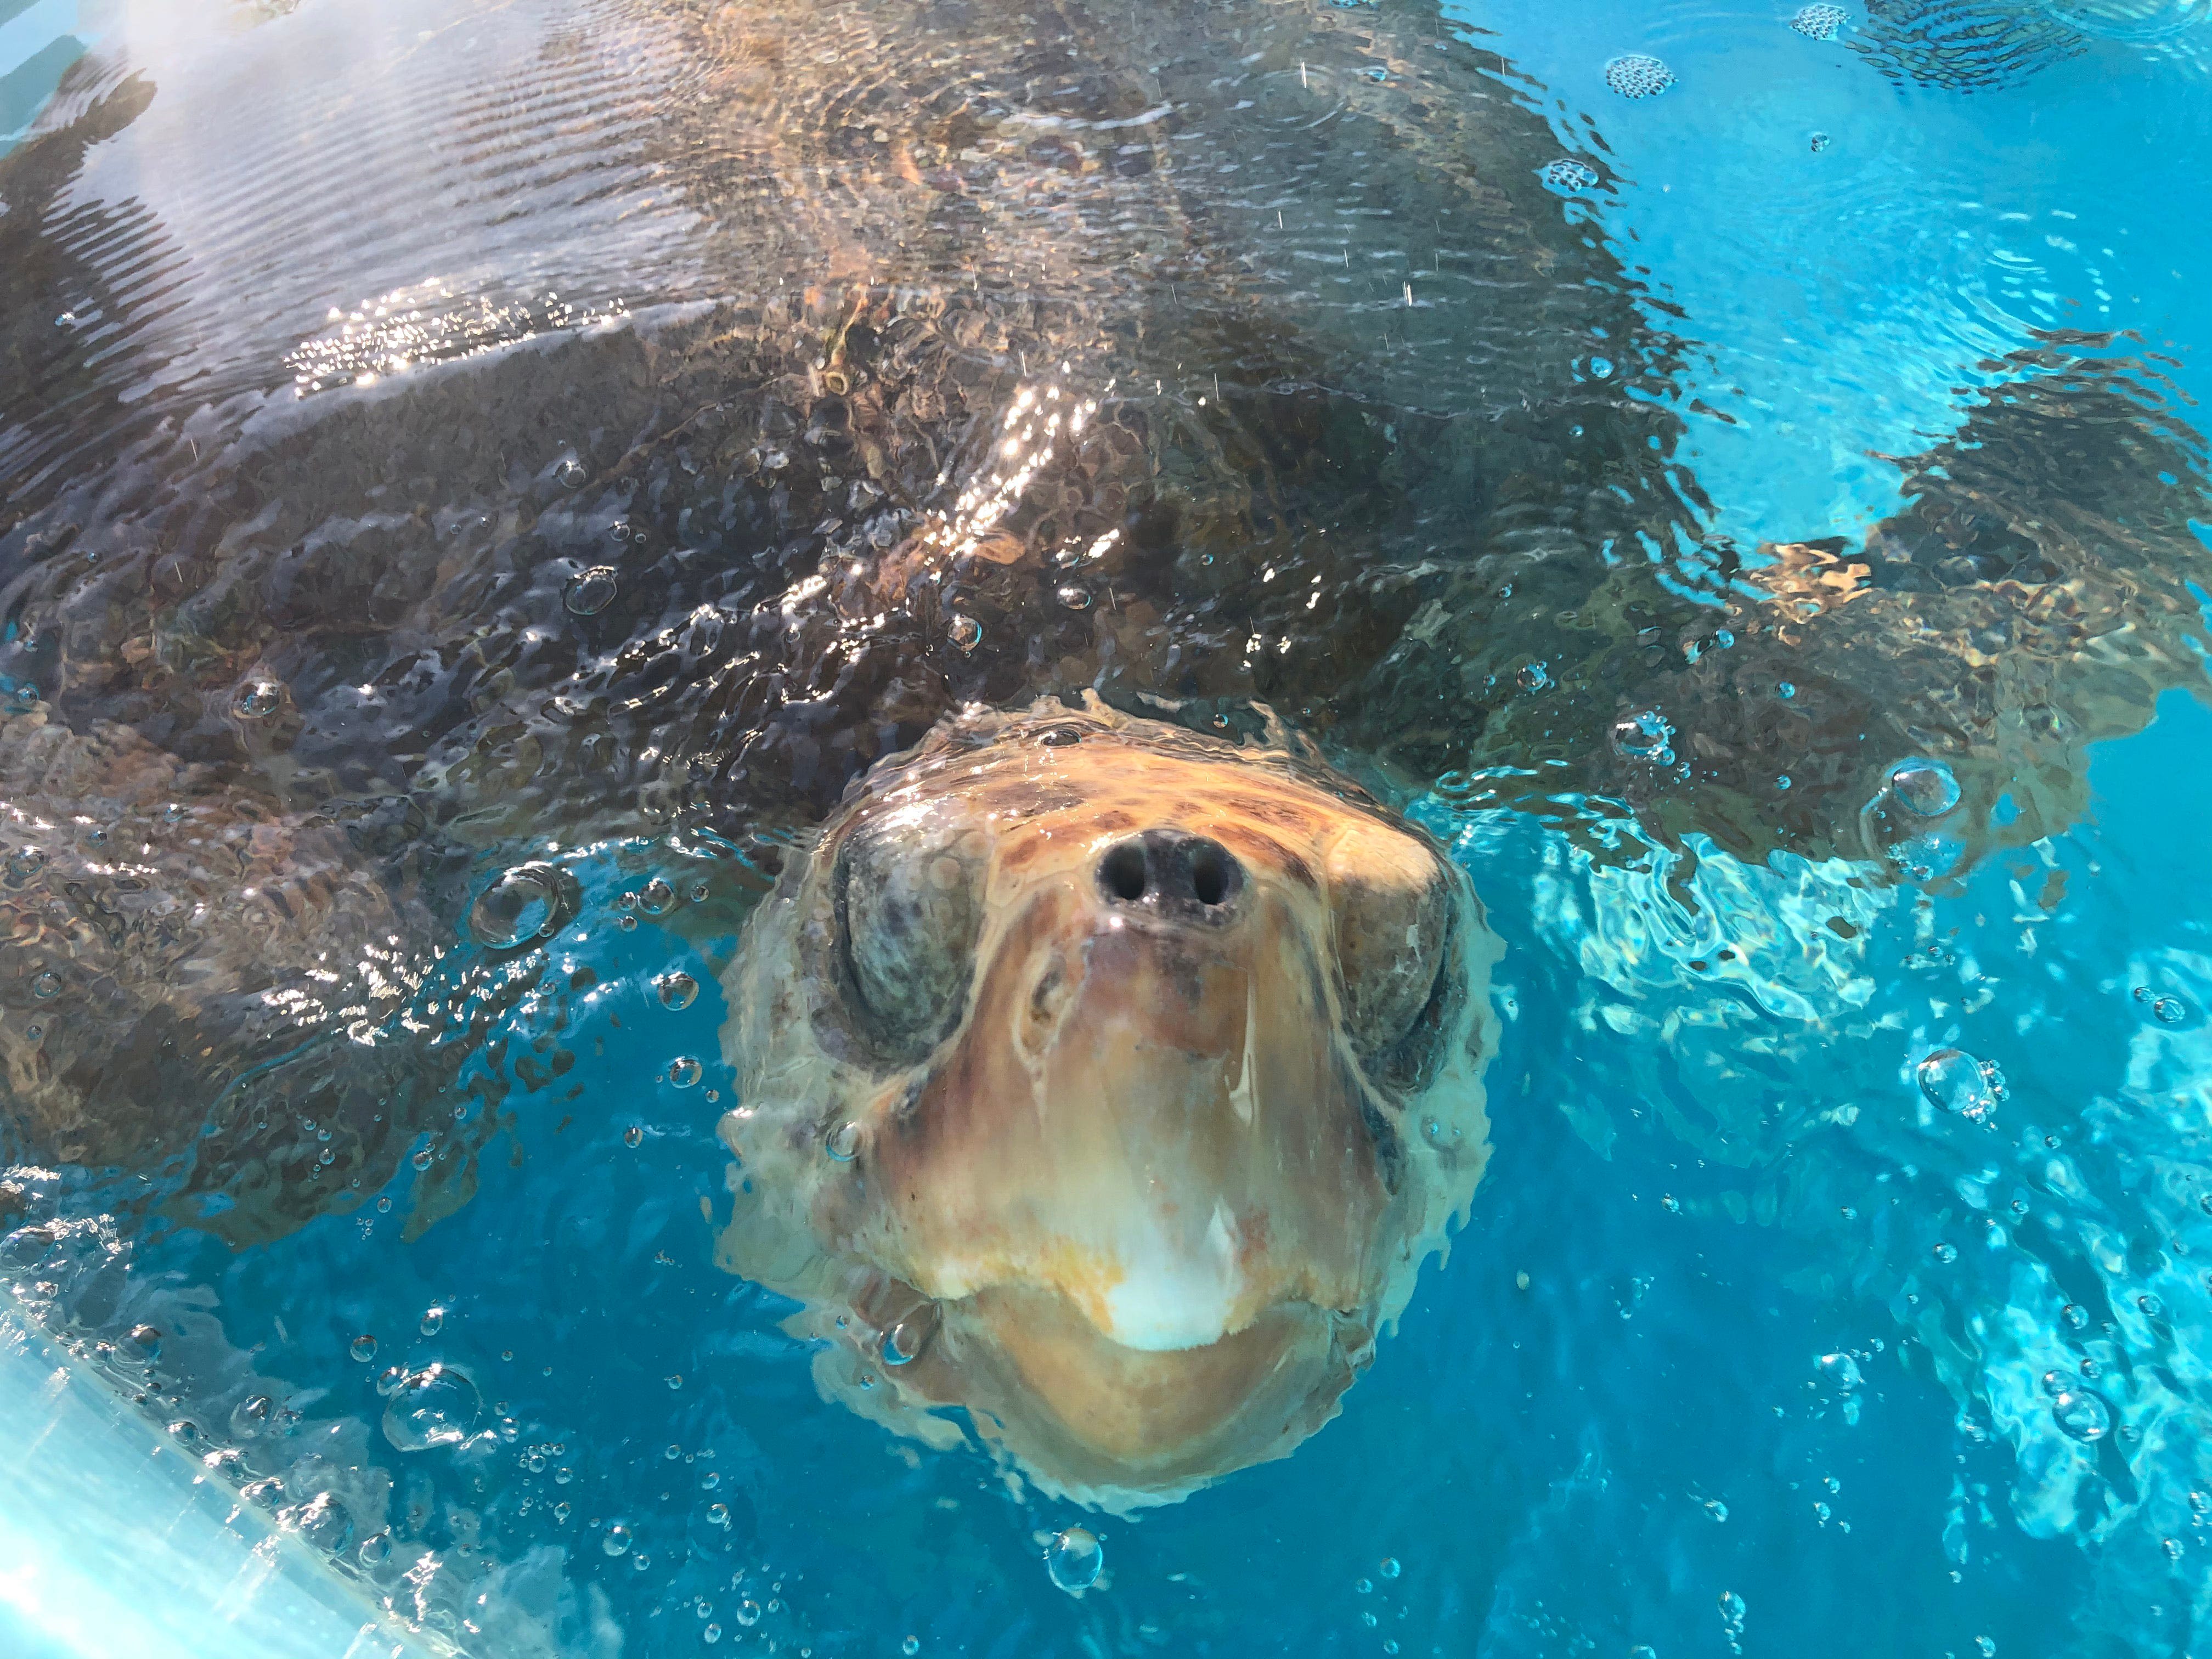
x=1111 y=1081
x=610 y=420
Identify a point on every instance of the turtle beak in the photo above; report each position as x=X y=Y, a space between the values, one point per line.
x=1143 y=1181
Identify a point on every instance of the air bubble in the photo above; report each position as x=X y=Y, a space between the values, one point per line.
x=1643 y=735
x=1840 y=1371
x=1636 y=74
x=1819 y=22
x=46 y=985
x=1819 y=142
x=1075 y=597
x=904 y=1341
x=616 y=1542
x=679 y=990
x=2083 y=1416
x=362 y=1348
x=656 y=897
x=570 y=474
x=257 y=699
x=1946 y=1253
x=1926 y=788
x=524 y=905
x=375 y=1549
x=844 y=1141
x=434 y=1406
x=434 y=1321
x=1955 y=1081
x=684 y=1072
x=250 y=1417
x=2166 y=1011
x=1073 y=1559
x=748 y=1613
x=964 y=632
x=633 y=1136
x=591 y=592
x=321 y=1521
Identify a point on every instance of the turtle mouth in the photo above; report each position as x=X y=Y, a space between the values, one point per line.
x=1138 y=1183
x=1038 y=1373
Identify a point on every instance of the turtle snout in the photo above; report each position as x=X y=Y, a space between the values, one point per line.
x=1174 y=872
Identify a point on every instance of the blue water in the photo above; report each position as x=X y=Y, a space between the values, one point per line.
x=1747 y=1346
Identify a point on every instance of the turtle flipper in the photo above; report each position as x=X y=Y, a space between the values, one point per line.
x=2033 y=598
x=174 y=946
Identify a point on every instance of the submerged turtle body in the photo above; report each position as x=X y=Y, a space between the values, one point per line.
x=1111 y=1082
x=915 y=358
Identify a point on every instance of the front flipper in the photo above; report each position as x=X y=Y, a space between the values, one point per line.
x=193 y=982
x=2033 y=599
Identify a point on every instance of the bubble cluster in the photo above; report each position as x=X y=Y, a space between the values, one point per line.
x=1638 y=75
x=1955 y=1081
x=1568 y=176
x=1821 y=22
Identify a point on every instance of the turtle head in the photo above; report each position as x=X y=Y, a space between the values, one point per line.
x=1113 y=1082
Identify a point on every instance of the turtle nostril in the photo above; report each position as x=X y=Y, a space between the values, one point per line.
x=1121 y=872
x=1209 y=875
x=1172 y=873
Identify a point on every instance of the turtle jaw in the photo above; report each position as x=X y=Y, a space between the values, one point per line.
x=1139 y=1182
x=1094 y=1414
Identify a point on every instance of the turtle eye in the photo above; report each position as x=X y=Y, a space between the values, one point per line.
x=1392 y=918
x=908 y=913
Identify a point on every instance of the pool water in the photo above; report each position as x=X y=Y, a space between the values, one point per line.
x=1842 y=1280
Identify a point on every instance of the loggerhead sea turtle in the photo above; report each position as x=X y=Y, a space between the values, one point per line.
x=1111 y=1081
x=913 y=358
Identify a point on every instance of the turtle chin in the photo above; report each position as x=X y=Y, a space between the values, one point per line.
x=1065 y=1397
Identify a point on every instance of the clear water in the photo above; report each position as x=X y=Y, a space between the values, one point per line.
x=1750 y=1345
